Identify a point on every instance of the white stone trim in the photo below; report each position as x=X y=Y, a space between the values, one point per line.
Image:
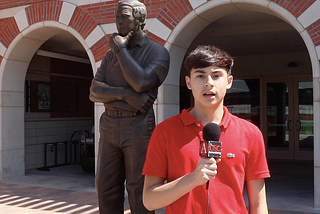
x=176 y=60
x=21 y=19
x=9 y=12
x=66 y=13
x=94 y=36
x=311 y=15
x=55 y=24
x=283 y=13
x=318 y=51
x=85 y=2
x=189 y=27
x=78 y=37
x=312 y=53
x=158 y=28
x=197 y=3
x=109 y=28
x=3 y=49
x=13 y=73
x=214 y=10
x=98 y=64
x=169 y=94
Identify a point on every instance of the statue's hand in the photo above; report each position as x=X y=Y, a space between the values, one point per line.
x=117 y=42
x=142 y=102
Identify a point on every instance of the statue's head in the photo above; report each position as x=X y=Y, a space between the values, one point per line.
x=139 y=10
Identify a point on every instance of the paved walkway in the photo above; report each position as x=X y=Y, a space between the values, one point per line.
x=58 y=191
x=33 y=200
x=40 y=200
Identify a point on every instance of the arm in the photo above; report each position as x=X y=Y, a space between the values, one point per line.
x=257 y=197
x=140 y=79
x=156 y=194
x=104 y=93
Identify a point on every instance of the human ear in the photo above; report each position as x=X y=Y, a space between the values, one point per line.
x=188 y=83
x=230 y=81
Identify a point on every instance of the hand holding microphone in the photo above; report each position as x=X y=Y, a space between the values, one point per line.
x=206 y=170
x=211 y=147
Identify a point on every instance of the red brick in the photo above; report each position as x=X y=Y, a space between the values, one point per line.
x=156 y=39
x=100 y=48
x=9 y=32
x=43 y=11
x=296 y=7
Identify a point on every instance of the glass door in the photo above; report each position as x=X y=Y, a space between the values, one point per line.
x=304 y=120
x=288 y=117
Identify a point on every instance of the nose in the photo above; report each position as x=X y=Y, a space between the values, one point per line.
x=209 y=83
x=120 y=20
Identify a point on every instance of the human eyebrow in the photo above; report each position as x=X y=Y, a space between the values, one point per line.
x=199 y=71
x=216 y=72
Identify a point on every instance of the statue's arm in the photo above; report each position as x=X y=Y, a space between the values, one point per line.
x=140 y=78
x=100 y=91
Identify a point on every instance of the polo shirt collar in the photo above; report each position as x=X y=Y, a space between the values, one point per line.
x=188 y=119
x=143 y=41
x=226 y=120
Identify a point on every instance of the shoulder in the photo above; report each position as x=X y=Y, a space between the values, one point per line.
x=244 y=125
x=157 y=47
x=109 y=55
x=170 y=122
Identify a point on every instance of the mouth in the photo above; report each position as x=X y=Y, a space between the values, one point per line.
x=121 y=29
x=209 y=94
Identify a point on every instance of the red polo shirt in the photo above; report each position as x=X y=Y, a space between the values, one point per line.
x=174 y=152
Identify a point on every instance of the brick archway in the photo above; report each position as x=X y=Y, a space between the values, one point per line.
x=301 y=15
x=23 y=35
x=173 y=23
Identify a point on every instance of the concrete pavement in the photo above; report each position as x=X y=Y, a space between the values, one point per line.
x=68 y=189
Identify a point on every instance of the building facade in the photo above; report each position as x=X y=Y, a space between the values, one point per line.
x=57 y=46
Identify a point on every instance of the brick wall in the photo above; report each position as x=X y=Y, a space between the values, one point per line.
x=87 y=17
x=8 y=31
x=314 y=32
x=45 y=10
x=296 y=7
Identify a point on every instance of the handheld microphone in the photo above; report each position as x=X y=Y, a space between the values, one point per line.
x=210 y=147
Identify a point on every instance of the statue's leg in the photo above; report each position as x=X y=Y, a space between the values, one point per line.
x=110 y=168
x=135 y=139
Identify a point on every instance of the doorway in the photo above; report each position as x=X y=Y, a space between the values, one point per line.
x=288 y=117
x=282 y=107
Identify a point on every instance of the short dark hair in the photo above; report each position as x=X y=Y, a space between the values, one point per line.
x=139 y=10
x=206 y=55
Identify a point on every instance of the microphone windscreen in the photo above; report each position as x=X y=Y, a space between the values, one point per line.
x=211 y=132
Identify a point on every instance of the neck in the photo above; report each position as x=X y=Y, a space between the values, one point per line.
x=208 y=115
x=135 y=38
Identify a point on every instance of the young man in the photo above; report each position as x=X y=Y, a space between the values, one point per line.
x=173 y=152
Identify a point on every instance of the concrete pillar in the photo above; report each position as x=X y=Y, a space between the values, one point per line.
x=12 y=119
x=316 y=124
x=12 y=134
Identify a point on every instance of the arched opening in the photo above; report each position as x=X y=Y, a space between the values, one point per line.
x=268 y=90
x=58 y=106
x=22 y=63
x=283 y=52
x=267 y=49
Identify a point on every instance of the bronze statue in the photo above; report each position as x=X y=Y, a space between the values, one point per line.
x=127 y=83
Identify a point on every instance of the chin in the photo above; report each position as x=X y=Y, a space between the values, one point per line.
x=122 y=33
